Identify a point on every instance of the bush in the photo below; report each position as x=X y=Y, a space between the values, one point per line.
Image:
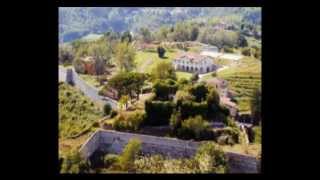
x=257 y=134
x=195 y=128
x=74 y=164
x=129 y=154
x=199 y=91
x=130 y=121
x=246 y=51
x=230 y=122
x=228 y=49
x=163 y=89
x=158 y=112
x=210 y=159
x=194 y=77
x=78 y=66
x=110 y=159
x=107 y=109
x=228 y=135
x=175 y=121
x=161 y=51
x=190 y=109
x=113 y=113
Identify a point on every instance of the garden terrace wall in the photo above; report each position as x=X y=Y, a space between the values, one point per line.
x=110 y=141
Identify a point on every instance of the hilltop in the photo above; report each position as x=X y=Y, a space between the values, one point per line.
x=78 y=21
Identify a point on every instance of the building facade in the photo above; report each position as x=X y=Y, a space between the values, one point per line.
x=194 y=63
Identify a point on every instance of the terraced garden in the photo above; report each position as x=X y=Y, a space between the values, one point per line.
x=243 y=80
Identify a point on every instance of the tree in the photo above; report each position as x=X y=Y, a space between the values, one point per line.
x=78 y=66
x=126 y=37
x=213 y=102
x=163 y=89
x=128 y=83
x=194 y=33
x=181 y=32
x=74 y=164
x=124 y=56
x=194 y=127
x=101 y=51
x=65 y=55
x=242 y=41
x=163 y=70
x=161 y=51
x=246 y=51
x=146 y=35
x=123 y=101
x=211 y=159
x=129 y=154
x=256 y=106
x=199 y=91
x=182 y=96
x=107 y=109
x=175 y=121
x=195 y=77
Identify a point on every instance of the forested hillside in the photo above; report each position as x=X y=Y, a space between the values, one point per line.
x=77 y=22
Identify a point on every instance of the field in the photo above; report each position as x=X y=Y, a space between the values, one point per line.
x=243 y=80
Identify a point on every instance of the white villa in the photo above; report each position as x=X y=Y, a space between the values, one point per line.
x=195 y=63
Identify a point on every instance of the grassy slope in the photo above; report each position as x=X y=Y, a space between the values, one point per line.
x=76 y=112
x=243 y=79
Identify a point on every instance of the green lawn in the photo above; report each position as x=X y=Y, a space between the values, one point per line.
x=185 y=75
x=91 y=80
x=145 y=60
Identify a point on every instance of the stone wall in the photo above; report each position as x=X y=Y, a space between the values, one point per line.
x=69 y=75
x=114 y=142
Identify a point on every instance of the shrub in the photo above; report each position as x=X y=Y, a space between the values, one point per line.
x=246 y=51
x=107 y=109
x=175 y=121
x=230 y=122
x=182 y=96
x=163 y=89
x=130 y=121
x=158 y=112
x=257 y=134
x=113 y=113
x=74 y=164
x=110 y=159
x=228 y=135
x=79 y=66
x=195 y=77
x=228 y=49
x=129 y=154
x=190 y=109
x=211 y=159
x=200 y=92
x=161 y=51
x=195 y=128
